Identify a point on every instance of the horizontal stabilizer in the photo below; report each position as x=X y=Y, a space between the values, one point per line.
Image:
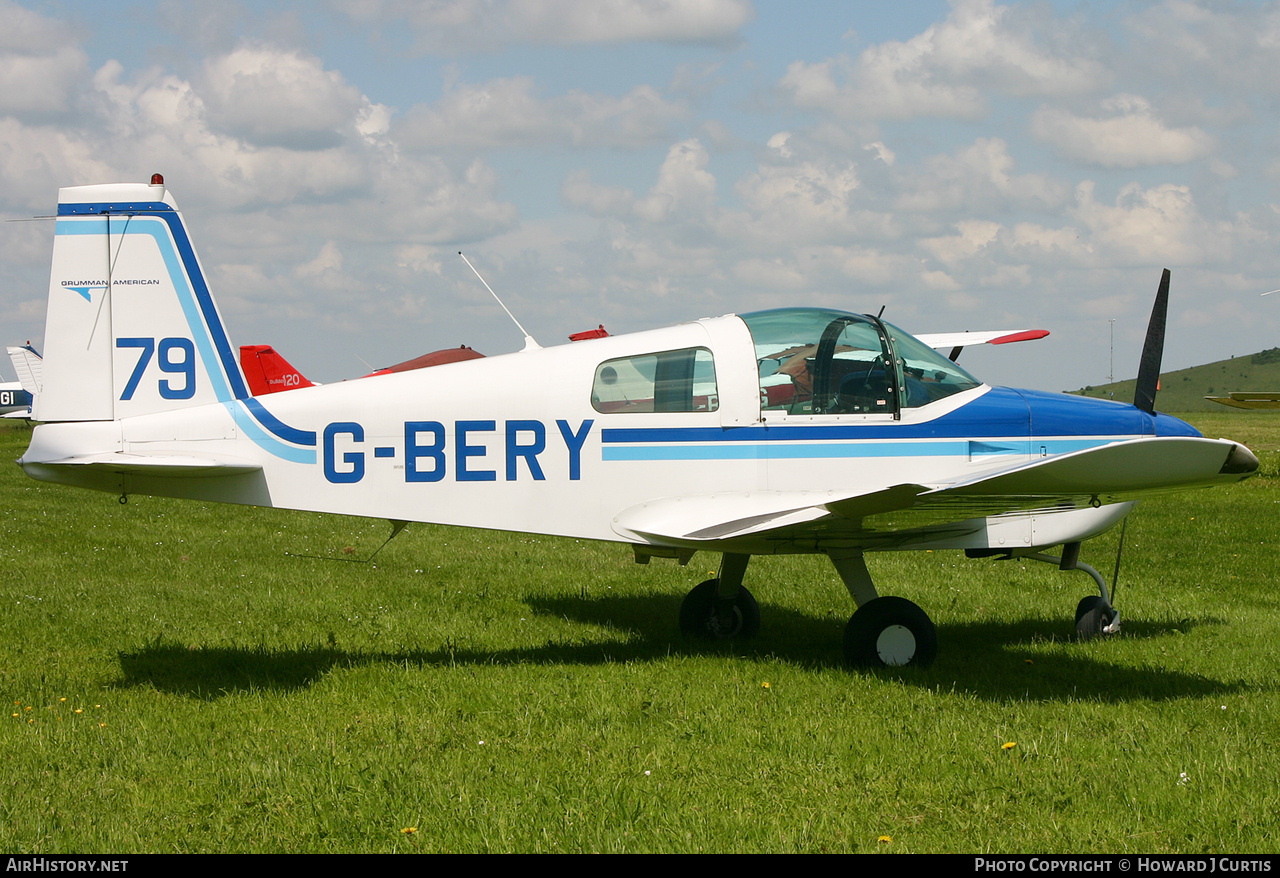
x=183 y=465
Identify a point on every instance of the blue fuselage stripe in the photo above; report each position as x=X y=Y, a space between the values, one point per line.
x=281 y=429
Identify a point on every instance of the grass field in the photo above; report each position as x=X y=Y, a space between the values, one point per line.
x=178 y=680
x=1184 y=390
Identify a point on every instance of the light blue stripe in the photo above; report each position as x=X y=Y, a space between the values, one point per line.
x=1066 y=446
x=749 y=451
x=770 y=451
x=267 y=443
x=275 y=425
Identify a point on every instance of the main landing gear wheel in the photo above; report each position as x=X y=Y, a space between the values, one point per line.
x=1093 y=616
x=890 y=632
x=705 y=615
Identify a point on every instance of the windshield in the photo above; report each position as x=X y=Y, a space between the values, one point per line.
x=928 y=375
x=824 y=361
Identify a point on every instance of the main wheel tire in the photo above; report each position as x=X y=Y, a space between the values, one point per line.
x=890 y=632
x=1093 y=614
x=704 y=615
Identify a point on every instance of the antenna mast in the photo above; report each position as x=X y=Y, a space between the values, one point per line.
x=529 y=343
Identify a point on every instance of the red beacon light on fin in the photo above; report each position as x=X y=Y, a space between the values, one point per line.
x=157 y=179
x=587 y=334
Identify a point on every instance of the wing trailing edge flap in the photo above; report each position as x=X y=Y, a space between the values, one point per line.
x=1110 y=473
x=712 y=517
x=164 y=465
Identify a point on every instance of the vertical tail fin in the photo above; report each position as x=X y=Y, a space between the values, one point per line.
x=267 y=371
x=131 y=327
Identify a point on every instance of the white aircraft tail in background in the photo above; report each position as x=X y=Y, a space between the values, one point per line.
x=16 y=398
x=782 y=431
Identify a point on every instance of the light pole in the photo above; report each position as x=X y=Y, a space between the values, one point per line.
x=1111 y=376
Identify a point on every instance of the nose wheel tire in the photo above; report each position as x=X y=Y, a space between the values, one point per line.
x=1094 y=616
x=704 y=615
x=890 y=632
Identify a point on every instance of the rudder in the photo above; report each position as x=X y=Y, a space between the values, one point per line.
x=267 y=371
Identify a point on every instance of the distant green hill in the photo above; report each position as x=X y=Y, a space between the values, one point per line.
x=1185 y=390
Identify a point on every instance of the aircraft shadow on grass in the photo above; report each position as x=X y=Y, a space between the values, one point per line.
x=997 y=660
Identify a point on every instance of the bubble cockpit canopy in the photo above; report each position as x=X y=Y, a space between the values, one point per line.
x=824 y=361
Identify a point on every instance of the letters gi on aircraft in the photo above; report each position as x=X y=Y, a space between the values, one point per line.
x=15 y=402
x=791 y=430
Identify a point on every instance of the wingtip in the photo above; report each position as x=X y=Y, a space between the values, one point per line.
x=1240 y=461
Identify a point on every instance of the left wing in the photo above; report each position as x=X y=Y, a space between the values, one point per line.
x=1110 y=473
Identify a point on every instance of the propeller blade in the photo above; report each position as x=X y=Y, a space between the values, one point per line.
x=1144 y=396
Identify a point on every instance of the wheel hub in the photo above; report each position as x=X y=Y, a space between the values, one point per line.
x=723 y=624
x=896 y=645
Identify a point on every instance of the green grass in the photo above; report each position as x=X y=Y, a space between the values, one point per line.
x=1185 y=389
x=177 y=679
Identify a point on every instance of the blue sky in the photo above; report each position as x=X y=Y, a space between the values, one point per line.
x=967 y=165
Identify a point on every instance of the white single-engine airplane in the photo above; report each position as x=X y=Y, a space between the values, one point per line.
x=792 y=430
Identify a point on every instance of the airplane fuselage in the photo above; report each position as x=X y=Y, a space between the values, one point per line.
x=514 y=442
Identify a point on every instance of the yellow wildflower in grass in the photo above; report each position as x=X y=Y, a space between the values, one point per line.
x=1008 y=745
x=885 y=839
x=764 y=685
x=409 y=830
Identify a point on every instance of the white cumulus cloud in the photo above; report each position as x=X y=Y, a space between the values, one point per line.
x=273 y=97
x=480 y=24
x=949 y=69
x=1127 y=133
x=509 y=112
